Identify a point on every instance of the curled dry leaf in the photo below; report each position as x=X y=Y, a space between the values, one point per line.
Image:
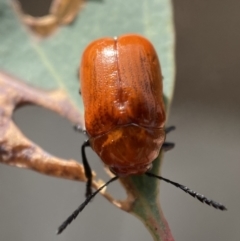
x=17 y=150
x=61 y=12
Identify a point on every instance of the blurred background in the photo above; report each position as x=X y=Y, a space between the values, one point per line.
x=206 y=112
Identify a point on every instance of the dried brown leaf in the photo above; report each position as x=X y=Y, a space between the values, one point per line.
x=17 y=150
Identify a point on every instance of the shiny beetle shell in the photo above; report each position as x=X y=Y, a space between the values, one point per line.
x=121 y=86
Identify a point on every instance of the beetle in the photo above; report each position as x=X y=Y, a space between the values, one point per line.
x=121 y=87
x=121 y=84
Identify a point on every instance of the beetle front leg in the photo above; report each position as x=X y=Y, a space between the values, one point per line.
x=87 y=169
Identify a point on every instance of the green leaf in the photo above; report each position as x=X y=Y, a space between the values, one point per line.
x=52 y=63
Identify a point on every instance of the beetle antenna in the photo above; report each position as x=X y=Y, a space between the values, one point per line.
x=194 y=194
x=82 y=206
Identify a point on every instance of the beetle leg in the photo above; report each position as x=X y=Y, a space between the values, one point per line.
x=87 y=169
x=167 y=146
x=169 y=129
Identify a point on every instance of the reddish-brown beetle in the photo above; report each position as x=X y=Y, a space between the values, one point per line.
x=121 y=86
